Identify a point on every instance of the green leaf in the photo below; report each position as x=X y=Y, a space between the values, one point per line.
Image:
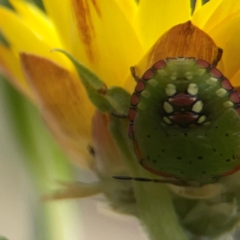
x=115 y=99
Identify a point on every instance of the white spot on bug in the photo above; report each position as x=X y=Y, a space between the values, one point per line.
x=167 y=120
x=167 y=107
x=201 y=119
x=221 y=92
x=192 y=89
x=188 y=75
x=170 y=89
x=197 y=107
x=211 y=81
x=152 y=82
x=141 y=106
x=182 y=59
x=201 y=71
x=173 y=76
x=146 y=94
x=228 y=104
x=162 y=72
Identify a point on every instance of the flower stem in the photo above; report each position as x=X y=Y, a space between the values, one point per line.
x=154 y=203
x=156 y=211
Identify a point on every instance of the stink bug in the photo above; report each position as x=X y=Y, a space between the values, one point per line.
x=184 y=121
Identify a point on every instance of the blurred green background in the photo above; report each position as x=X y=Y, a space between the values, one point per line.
x=30 y=163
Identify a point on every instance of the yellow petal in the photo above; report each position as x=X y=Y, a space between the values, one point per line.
x=61 y=18
x=156 y=17
x=60 y=94
x=198 y=5
x=36 y=20
x=100 y=35
x=228 y=38
x=109 y=40
x=10 y=67
x=22 y=38
x=128 y=8
x=201 y=16
x=221 y=12
x=235 y=80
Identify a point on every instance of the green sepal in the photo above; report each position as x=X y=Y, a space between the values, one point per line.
x=105 y=100
x=4 y=42
x=120 y=99
x=204 y=217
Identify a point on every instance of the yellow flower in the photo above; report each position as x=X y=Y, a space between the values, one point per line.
x=106 y=36
x=99 y=34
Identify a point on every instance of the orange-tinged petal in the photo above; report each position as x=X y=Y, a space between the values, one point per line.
x=107 y=157
x=101 y=37
x=156 y=17
x=201 y=16
x=230 y=44
x=181 y=40
x=62 y=97
x=22 y=38
x=109 y=40
x=76 y=148
x=60 y=92
x=36 y=20
x=10 y=67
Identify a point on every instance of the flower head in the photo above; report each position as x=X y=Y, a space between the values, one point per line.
x=107 y=37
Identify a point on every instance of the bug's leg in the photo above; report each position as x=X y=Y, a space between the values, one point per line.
x=219 y=56
x=119 y=115
x=134 y=75
x=140 y=179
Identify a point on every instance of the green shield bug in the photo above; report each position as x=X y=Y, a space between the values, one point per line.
x=184 y=121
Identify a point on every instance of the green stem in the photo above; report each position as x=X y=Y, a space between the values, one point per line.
x=154 y=203
x=157 y=212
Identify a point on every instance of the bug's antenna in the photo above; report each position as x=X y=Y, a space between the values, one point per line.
x=218 y=58
x=141 y=179
x=134 y=75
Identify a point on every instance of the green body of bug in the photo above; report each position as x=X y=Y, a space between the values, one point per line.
x=184 y=121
